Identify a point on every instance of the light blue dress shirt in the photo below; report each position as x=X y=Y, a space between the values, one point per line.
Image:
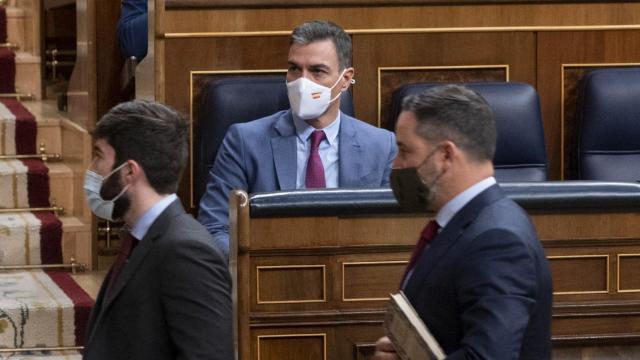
x=328 y=151
x=141 y=227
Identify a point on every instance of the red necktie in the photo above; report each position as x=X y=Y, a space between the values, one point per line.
x=315 y=170
x=428 y=234
x=127 y=244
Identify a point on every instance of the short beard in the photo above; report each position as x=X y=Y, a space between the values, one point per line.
x=110 y=189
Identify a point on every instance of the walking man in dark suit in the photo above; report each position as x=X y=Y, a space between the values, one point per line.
x=167 y=296
x=478 y=277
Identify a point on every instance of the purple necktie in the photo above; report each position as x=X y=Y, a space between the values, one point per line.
x=315 y=170
x=428 y=234
x=128 y=242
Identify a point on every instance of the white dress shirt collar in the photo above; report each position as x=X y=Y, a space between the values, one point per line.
x=454 y=205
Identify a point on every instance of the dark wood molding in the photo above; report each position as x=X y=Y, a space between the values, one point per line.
x=239 y=4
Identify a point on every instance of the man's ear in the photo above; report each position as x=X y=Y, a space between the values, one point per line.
x=348 y=76
x=132 y=170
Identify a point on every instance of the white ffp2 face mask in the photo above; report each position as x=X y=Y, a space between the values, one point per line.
x=92 y=185
x=309 y=100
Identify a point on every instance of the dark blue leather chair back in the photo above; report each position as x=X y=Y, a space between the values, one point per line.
x=609 y=125
x=235 y=100
x=520 y=150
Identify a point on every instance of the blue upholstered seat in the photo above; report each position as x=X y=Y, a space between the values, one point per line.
x=609 y=125
x=228 y=101
x=520 y=150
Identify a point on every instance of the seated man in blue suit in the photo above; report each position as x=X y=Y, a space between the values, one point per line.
x=311 y=145
x=478 y=278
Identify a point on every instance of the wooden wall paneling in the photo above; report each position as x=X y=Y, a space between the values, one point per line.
x=371 y=52
x=627 y=270
x=109 y=59
x=392 y=78
x=372 y=18
x=573 y=51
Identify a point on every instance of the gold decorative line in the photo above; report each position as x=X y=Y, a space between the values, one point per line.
x=562 y=98
x=14 y=184
x=345 y=264
x=59 y=310
x=214 y=34
x=618 y=274
x=324 y=284
x=3 y=127
x=211 y=72
x=583 y=257
x=27 y=250
x=431 y=68
x=280 y=336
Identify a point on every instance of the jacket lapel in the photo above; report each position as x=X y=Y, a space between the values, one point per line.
x=283 y=146
x=449 y=235
x=349 y=155
x=140 y=252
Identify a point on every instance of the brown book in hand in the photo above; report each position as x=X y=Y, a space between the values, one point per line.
x=408 y=333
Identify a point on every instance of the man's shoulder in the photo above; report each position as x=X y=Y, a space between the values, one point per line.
x=262 y=124
x=363 y=127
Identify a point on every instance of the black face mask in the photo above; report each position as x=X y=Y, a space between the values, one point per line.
x=409 y=189
x=412 y=194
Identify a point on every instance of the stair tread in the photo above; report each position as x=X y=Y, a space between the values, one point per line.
x=45 y=111
x=13 y=12
x=73 y=224
x=59 y=169
x=90 y=281
x=23 y=57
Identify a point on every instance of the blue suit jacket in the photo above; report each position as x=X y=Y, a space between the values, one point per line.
x=483 y=287
x=260 y=156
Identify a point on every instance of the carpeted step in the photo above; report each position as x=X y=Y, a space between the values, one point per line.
x=30 y=239
x=23 y=184
x=43 y=355
x=18 y=128
x=7 y=71
x=42 y=309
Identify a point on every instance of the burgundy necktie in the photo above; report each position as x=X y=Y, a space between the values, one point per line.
x=428 y=234
x=127 y=243
x=315 y=170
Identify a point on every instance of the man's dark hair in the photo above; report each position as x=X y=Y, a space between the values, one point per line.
x=458 y=114
x=318 y=30
x=152 y=134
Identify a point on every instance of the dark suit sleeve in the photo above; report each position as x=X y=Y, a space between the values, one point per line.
x=496 y=294
x=227 y=173
x=196 y=298
x=393 y=152
x=132 y=28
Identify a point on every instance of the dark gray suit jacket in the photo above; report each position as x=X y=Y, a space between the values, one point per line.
x=172 y=299
x=483 y=287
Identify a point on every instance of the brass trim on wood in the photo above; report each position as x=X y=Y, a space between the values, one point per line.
x=18 y=96
x=618 y=274
x=217 y=34
x=191 y=134
x=57 y=209
x=33 y=349
x=275 y=267
x=605 y=256
x=322 y=335
x=441 y=67
x=74 y=266
x=562 y=97
x=359 y=263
